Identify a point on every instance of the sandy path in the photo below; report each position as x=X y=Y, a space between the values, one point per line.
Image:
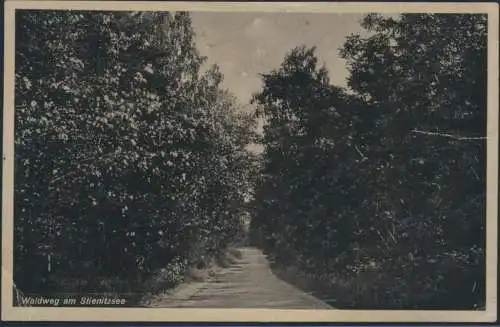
x=249 y=283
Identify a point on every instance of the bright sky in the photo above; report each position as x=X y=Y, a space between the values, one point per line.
x=247 y=44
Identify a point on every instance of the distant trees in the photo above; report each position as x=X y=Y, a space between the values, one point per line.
x=128 y=157
x=388 y=177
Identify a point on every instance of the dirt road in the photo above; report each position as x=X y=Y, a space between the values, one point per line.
x=249 y=283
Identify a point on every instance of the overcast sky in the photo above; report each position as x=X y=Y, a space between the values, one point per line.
x=246 y=44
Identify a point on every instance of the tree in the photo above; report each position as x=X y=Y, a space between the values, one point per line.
x=393 y=167
x=127 y=159
x=302 y=160
x=426 y=77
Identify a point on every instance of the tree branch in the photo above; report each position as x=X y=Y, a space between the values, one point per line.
x=455 y=137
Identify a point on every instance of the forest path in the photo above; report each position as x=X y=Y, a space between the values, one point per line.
x=249 y=283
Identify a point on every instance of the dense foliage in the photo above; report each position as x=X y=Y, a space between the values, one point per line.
x=130 y=158
x=378 y=192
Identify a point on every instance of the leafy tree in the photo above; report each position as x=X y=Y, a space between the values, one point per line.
x=302 y=158
x=426 y=77
x=129 y=157
x=388 y=176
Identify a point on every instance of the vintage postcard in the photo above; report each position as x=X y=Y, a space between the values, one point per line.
x=250 y=162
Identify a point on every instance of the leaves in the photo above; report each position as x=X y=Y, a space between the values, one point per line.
x=388 y=165
x=123 y=135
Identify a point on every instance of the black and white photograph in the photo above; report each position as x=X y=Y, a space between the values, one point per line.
x=312 y=162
